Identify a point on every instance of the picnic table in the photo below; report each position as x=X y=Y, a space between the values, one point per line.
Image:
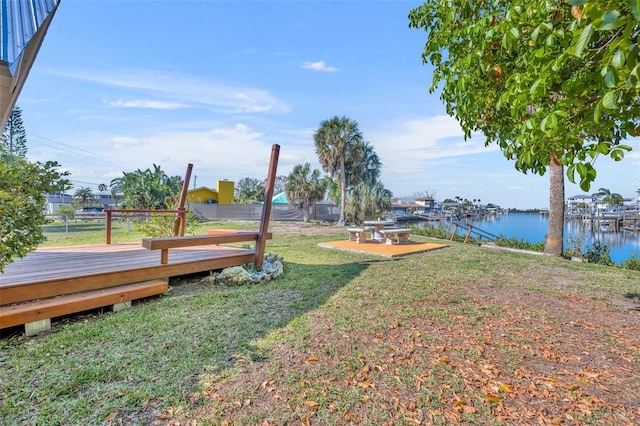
x=379 y=225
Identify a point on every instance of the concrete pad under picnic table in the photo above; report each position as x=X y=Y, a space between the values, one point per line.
x=382 y=249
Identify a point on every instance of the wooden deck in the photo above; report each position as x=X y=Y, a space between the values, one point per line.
x=126 y=271
x=52 y=282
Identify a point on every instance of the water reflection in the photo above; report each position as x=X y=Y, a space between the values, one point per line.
x=533 y=228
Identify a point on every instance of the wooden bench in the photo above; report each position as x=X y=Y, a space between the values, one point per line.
x=393 y=235
x=164 y=244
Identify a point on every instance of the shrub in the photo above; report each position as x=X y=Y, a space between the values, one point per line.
x=633 y=263
x=598 y=254
x=521 y=244
x=439 y=232
x=161 y=224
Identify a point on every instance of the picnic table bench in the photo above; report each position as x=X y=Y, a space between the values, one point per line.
x=359 y=235
x=392 y=235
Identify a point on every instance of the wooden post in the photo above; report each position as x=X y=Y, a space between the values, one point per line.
x=108 y=227
x=266 y=207
x=453 y=234
x=178 y=225
x=468 y=234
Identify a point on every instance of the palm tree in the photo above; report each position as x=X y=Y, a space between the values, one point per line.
x=304 y=187
x=611 y=198
x=84 y=196
x=363 y=164
x=333 y=141
x=146 y=189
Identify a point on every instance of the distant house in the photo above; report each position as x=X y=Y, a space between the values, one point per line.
x=427 y=203
x=400 y=208
x=223 y=194
x=55 y=201
x=579 y=204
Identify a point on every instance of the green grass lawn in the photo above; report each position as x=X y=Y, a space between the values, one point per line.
x=459 y=335
x=80 y=232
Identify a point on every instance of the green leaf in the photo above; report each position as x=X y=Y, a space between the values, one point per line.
x=611 y=20
x=610 y=79
x=618 y=59
x=635 y=9
x=617 y=154
x=585 y=185
x=514 y=33
x=536 y=33
x=578 y=47
x=534 y=86
x=597 y=112
x=529 y=124
x=603 y=148
x=609 y=100
x=571 y=171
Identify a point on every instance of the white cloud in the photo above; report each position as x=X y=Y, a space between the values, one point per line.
x=146 y=104
x=417 y=144
x=319 y=66
x=124 y=141
x=172 y=89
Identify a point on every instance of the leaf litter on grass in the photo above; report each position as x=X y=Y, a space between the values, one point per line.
x=475 y=353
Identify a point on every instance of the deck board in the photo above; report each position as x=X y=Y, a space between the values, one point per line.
x=49 y=272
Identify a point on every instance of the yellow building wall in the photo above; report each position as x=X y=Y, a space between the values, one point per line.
x=202 y=195
x=225 y=192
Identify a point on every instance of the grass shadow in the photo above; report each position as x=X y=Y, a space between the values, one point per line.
x=159 y=350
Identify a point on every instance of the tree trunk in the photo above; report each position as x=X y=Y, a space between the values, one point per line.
x=343 y=189
x=555 y=232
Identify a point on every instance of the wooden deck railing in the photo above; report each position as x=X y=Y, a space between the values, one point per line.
x=180 y=213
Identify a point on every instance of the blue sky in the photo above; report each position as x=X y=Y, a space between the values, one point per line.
x=122 y=85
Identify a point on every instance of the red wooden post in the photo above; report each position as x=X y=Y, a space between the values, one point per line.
x=266 y=207
x=178 y=225
x=108 y=227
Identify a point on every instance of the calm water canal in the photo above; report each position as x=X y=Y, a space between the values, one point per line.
x=532 y=227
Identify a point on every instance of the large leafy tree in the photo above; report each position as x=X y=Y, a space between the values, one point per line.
x=511 y=70
x=305 y=187
x=334 y=140
x=146 y=189
x=13 y=142
x=22 y=188
x=250 y=190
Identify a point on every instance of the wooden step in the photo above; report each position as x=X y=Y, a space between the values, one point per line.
x=39 y=310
